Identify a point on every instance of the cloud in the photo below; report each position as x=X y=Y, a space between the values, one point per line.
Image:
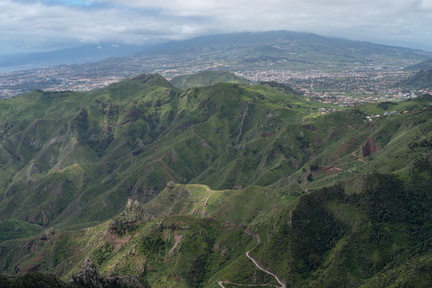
x=50 y=23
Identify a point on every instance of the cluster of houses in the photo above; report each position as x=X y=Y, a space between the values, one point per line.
x=386 y=113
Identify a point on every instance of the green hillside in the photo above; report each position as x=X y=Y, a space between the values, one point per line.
x=421 y=80
x=376 y=234
x=76 y=157
x=221 y=184
x=207 y=78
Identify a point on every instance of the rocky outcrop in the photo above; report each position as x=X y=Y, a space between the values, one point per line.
x=89 y=277
x=370 y=147
x=125 y=281
x=128 y=219
x=133 y=212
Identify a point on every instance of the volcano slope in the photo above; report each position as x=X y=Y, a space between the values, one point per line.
x=212 y=173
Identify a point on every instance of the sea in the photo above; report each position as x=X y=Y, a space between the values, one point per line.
x=9 y=69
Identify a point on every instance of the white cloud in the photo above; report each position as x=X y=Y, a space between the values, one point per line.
x=63 y=22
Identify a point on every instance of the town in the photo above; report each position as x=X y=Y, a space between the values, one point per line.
x=342 y=88
x=339 y=87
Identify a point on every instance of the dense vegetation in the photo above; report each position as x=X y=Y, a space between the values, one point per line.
x=33 y=280
x=149 y=185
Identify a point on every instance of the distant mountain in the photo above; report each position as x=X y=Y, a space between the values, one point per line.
x=273 y=49
x=206 y=78
x=282 y=49
x=421 y=80
x=75 y=55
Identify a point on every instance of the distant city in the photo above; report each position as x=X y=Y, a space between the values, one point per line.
x=343 y=88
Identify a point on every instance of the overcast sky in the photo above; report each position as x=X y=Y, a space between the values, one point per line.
x=27 y=25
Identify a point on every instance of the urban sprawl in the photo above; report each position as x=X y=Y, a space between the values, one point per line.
x=343 y=88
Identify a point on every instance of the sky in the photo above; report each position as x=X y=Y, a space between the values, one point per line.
x=45 y=25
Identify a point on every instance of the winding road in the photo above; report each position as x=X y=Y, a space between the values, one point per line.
x=259 y=266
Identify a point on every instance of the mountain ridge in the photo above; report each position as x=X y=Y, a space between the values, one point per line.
x=336 y=50
x=300 y=47
x=185 y=136
x=177 y=187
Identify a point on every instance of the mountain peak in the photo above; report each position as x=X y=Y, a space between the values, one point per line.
x=207 y=78
x=145 y=78
x=153 y=79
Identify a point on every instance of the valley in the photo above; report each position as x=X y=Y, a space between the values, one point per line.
x=249 y=177
x=137 y=175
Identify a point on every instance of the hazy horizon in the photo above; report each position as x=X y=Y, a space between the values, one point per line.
x=47 y=25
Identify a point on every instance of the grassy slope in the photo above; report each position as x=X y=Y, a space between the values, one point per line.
x=326 y=238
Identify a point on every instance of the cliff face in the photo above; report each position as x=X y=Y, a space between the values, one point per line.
x=370 y=147
x=89 y=276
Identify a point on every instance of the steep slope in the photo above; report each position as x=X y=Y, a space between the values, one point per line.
x=339 y=237
x=371 y=231
x=56 y=146
x=75 y=157
x=212 y=178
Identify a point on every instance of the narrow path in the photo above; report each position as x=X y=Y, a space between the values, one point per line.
x=259 y=266
x=177 y=239
x=221 y=282
x=241 y=124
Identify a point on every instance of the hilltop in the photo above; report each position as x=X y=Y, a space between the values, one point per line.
x=221 y=184
x=207 y=78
